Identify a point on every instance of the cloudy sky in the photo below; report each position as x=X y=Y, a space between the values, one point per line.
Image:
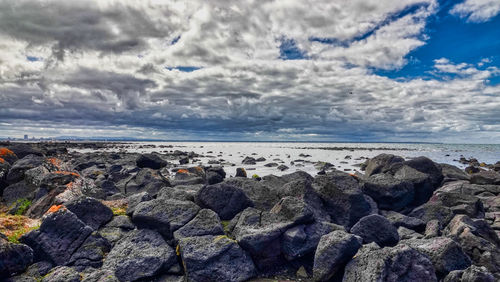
x=341 y=70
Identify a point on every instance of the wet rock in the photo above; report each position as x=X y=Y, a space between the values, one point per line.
x=60 y=235
x=334 y=250
x=164 y=215
x=225 y=199
x=215 y=258
x=399 y=263
x=206 y=222
x=376 y=228
x=343 y=200
x=152 y=161
x=140 y=255
x=183 y=161
x=381 y=163
x=62 y=274
x=446 y=255
x=14 y=258
x=90 y=211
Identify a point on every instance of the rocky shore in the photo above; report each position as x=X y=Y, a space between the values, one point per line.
x=120 y=216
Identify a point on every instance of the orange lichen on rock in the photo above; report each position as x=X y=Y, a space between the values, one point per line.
x=199 y=169
x=55 y=162
x=182 y=171
x=55 y=208
x=6 y=152
x=2 y=161
x=67 y=173
x=69 y=185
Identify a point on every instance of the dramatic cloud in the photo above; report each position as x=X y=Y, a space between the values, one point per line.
x=477 y=10
x=244 y=70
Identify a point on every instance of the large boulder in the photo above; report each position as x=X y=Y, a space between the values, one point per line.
x=22 y=150
x=14 y=258
x=140 y=255
x=215 y=258
x=334 y=251
x=486 y=177
x=343 y=199
x=433 y=210
x=389 y=192
x=376 y=228
x=16 y=172
x=91 y=253
x=446 y=255
x=226 y=200
x=59 y=236
x=147 y=180
x=381 y=163
x=90 y=211
x=461 y=203
x=206 y=222
x=214 y=175
x=302 y=240
x=261 y=195
x=152 y=161
x=399 y=263
x=453 y=173
x=164 y=216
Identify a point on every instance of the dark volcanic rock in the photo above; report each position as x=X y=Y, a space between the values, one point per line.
x=16 y=172
x=60 y=235
x=150 y=161
x=206 y=222
x=62 y=274
x=140 y=255
x=90 y=211
x=433 y=210
x=215 y=258
x=136 y=199
x=262 y=196
x=147 y=180
x=343 y=200
x=91 y=252
x=409 y=222
x=399 y=263
x=164 y=215
x=241 y=172
x=249 y=161
x=215 y=175
x=453 y=173
x=473 y=273
x=381 y=163
x=22 y=150
x=334 y=251
x=389 y=192
x=485 y=177
x=14 y=258
x=226 y=200
x=427 y=166
x=446 y=255
x=376 y=228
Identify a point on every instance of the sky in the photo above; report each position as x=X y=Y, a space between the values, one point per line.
x=341 y=70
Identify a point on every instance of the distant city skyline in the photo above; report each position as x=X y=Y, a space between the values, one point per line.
x=357 y=71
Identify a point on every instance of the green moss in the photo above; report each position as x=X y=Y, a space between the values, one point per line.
x=119 y=211
x=255 y=176
x=225 y=225
x=22 y=206
x=14 y=236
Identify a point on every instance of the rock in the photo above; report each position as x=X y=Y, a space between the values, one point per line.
x=262 y=195
x=163 y=215
x=215 y=175
x=249 y=161
x=22 y=150
x=271 y=165
x=183 y=161
x=472 y=169
x=215 y=258
x=460 y=203
x=7 y=155
x=376 y=228
x=475 y=273
x=62 y=274
x=90 y=211
x=334 y=250
x=206 y=222
x=117 y=228
x=17 y=191
x=101 y=275
x=485 y=177
x=381 y=163
x=446 y=255
x=152 y=161
x=147 y=180
x=427 y=166
x=433 y=229
x=136 y=199
x=91 y=253
x=241 y=172
x=59 y=236
x=226 y=200
x=282 y=167
x=399 y=263
x=453 y=173
x=398 y=220
x=293 y=209
x=343 y=200
x=140 y=255
x=389 y=192
x=16 y=172
x=14 y=258
x=405 y=234
x=422 y=182
x=302 y=240
x=433 y=210
x=189 y=176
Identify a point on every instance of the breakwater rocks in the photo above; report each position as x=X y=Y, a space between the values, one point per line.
x=71 y=216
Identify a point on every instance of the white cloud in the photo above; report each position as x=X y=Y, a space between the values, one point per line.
x=477 y=10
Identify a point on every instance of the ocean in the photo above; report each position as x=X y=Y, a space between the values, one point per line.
x=302 y=156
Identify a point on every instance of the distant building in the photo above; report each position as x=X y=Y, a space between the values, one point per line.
x=25 y=136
